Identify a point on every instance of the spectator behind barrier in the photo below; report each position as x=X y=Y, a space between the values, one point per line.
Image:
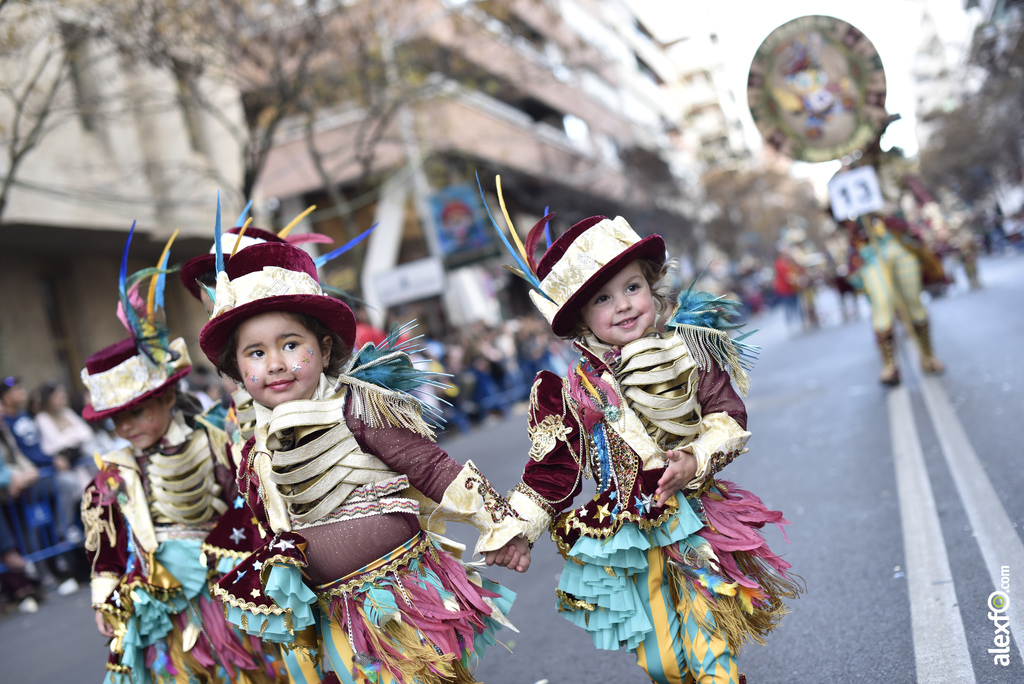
x=16 y=475
x=14 y=400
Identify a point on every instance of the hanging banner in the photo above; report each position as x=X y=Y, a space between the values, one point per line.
x=462 y=231
x=816 y=89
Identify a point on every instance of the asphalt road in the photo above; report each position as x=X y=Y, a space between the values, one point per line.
x=905 y=515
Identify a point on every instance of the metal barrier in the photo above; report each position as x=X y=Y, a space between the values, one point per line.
x=32 y=519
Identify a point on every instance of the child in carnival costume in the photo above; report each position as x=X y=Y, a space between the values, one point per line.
x=666 y=560
x=152 y=504
x=341 y=465
x=238 y=533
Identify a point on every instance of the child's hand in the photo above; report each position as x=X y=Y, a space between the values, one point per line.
x=514 y=554
x=101 y=624
x=682 y=468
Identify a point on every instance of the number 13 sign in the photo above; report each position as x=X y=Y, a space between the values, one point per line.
x=855 y=192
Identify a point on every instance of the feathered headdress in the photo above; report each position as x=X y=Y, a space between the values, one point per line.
x=283 y=234
x=577 y=264
x=141 y=305
x=128 y=372
x=523 y=255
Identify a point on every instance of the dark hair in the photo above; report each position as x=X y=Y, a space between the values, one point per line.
x=208 y=278
x=227 y=361
x=47 y=390
x=660 y=291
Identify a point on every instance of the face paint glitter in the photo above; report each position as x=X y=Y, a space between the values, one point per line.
x=296 y=367
x=253 y=379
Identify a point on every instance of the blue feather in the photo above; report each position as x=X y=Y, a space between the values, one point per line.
x=122 y=282
x=324 y=258
x=244 y=214
x=524 y=268
x=547 y=227
x=697 y=307
x=219 y=261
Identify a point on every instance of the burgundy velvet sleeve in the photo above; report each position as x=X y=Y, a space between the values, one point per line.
x=107 y=557
x=717 y=395
x=556 y=477
x=429 y=467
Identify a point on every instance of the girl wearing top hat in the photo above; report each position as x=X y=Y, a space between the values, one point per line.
x=665 y=560
x=344 y=475
x=152 y=505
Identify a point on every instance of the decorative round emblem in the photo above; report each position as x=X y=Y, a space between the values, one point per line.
x=816 y=89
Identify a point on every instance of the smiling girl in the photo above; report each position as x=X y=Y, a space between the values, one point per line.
x=664 y=560
x=345 y=477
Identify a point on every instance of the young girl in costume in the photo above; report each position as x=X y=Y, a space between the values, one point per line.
x=152 y=505
x=238 y=534
x=680 y=579
x=341 y=464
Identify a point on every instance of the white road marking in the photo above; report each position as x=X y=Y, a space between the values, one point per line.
x=940 y=645
x=998 y=540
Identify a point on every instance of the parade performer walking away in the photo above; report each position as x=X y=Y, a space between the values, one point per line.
x=888 y=269
x=893 y=263
x=341 y=464
x=665 y=560
x=150 y=507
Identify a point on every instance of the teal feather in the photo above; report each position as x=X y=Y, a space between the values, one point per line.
x=380 y=607
x=705 y=321
x=151 y=336
x=389 y=366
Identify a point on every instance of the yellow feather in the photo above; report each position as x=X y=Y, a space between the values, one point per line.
x=238 y=240
x=512 y=229
x=295 y=221
x=151 y=299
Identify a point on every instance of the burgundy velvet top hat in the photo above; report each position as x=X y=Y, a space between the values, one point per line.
x=120 y=377
x=204 y=263
x=581 y=261
x=271 y=276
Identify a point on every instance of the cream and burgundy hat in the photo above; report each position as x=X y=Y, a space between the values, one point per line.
x=577 y=264
x=272 y=276
x=195 y=267
x=582 y=260
x=241 y=236
x=128 y=372
x=120 y=377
